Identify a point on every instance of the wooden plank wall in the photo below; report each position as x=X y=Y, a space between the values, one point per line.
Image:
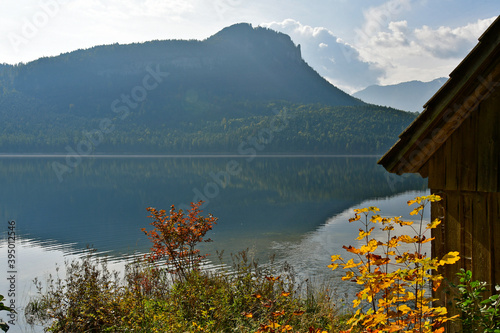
x=470 y=226
x=465 y=172
x=470 y=159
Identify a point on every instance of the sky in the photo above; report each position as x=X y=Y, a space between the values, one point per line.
x=352 y=43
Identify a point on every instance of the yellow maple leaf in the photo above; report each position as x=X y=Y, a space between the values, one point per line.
x=450 y=258
x=351 y=264
x=333 y=266
x=433 y=224
x=363 y=234
x=404 y=308
x=336 y=257
x=273 y=325
x=407 y=239
x=370 y=247
x=348 y=276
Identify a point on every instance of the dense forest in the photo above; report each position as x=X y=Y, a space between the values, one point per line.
x=288 y=128
x=242 y=90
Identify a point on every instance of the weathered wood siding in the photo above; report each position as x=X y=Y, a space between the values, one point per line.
x=465 y=172
x=470 y=159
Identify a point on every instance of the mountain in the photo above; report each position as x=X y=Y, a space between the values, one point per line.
x=409 y=96
x=238 y=63
x=185 y=96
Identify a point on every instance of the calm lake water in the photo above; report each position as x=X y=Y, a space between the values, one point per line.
x=294 y=207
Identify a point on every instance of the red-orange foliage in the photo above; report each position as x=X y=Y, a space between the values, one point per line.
x=175 y=236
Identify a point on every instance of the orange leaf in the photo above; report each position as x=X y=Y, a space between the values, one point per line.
x=247 y=314
x=351 y=249
x=272 y=278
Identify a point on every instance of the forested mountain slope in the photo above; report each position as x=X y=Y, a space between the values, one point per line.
x=187 y=96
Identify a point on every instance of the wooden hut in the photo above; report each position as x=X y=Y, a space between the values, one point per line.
x=455 y=142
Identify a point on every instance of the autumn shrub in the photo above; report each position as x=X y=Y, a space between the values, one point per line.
x=175 y=237
x=393 y=282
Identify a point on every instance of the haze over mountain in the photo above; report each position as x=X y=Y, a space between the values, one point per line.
x=408 y=96
x=186 y=96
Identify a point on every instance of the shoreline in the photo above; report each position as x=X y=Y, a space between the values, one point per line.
x=216 y=155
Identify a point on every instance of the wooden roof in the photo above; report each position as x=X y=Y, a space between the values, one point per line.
x=471 y=82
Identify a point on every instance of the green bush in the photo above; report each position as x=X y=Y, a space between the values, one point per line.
x=3 y=325
x=477 y=314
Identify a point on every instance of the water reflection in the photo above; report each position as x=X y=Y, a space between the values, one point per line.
x=102 y=203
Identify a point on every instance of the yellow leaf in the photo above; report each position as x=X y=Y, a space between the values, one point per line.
x=356 y=302
x=273 y=325
x=355 y=218
x=407 y=239
x=427 y=240
x=411 y=202
x=336 y=257
x=404 y=308
x=403 y=223
x=393 y=242
x=351 y=264
x=348 y=276
x=434 y=224
x=370 y=247
x=333 y=266
x=363 y=234
x=433 y=198
x=450 y=258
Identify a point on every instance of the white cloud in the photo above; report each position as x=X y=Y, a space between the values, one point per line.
x=419 y=53
x=329 y=55
x=377 y=18
x=445 y=42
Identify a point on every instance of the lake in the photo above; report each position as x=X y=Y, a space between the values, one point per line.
x=295 y=207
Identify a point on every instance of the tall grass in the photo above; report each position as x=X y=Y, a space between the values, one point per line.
x=242 y=296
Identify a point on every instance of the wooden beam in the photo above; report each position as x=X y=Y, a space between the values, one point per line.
x=468 y=160
x=494 y=217
x=481 y=247
x=488 y=143
x=466 y=202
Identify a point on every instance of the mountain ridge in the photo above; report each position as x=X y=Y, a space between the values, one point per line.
x=241 y=61
x=408 y=96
